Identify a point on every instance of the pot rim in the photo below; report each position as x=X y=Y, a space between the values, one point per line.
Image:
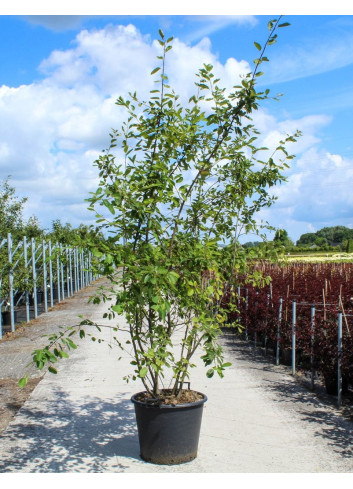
x=168 y=406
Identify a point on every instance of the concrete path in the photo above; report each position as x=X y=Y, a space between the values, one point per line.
x=257 y=419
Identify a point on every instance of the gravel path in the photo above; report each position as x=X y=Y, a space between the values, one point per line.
x=257 y=419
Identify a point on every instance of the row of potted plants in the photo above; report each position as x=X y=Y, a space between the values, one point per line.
x=267 y=315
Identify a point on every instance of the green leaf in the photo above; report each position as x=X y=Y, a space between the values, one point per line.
x=285 y=24
x=258 y=46
x=155 y=70
x=143 y=372
x=23 y=382
x=52 y=370
x=119 y=308
x=71 y=343
x=210 y=373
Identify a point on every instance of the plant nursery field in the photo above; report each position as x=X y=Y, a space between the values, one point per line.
x=320 y=258
x=304 y=299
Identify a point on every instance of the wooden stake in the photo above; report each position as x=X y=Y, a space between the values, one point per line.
x=345 y=317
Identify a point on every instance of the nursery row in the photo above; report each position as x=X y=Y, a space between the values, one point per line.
x=38 y=273
x=297 y=316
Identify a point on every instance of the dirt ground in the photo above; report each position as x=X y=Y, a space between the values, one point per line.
x=12 y=398
x=16 y=348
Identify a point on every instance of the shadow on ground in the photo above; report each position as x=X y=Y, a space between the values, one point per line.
x=71 y=438
x=314 y=408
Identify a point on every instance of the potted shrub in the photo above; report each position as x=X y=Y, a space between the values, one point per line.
x=185 y=187
x=6 y=315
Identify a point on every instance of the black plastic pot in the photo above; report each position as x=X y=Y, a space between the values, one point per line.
x=331 y=384
x=55 y=293
x=6 y=318
x=286 y=356
x=168 y=434
x=40 y=298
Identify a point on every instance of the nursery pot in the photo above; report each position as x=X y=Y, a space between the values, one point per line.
x=6 y=318
x=331 y=384
x=40 y=298
x=286 y=356
x=168 y=434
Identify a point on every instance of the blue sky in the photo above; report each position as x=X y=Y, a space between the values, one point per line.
x=60 y=76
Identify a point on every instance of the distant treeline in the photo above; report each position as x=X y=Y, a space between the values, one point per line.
x=12 y=221
x=336 y=238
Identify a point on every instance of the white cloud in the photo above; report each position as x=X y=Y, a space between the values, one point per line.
x=273 y=131
x=311 y=56
x=317 y=194
x=214 y=23
x=53 y=129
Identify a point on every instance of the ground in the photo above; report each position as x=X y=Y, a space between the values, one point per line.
x=257 y=419
x=12 y=398
x=16 y=348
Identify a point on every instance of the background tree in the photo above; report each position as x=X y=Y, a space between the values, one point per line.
x=11 y=210
x=66 y=234
x=327 y=237
x=282 y=238
x=32 y=229
x=349 y=248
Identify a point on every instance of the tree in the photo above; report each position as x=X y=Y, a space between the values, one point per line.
x=61 y=233
x=306 y=239
x=32 y=229
x=11 y=215
x=191 y=179
x=68 y=235
x=282 y=238
x=252 y=244
x=349 y=248
x=11 y=210
x=328 y=236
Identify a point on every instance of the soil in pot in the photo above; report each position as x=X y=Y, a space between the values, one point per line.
x=169 y=429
